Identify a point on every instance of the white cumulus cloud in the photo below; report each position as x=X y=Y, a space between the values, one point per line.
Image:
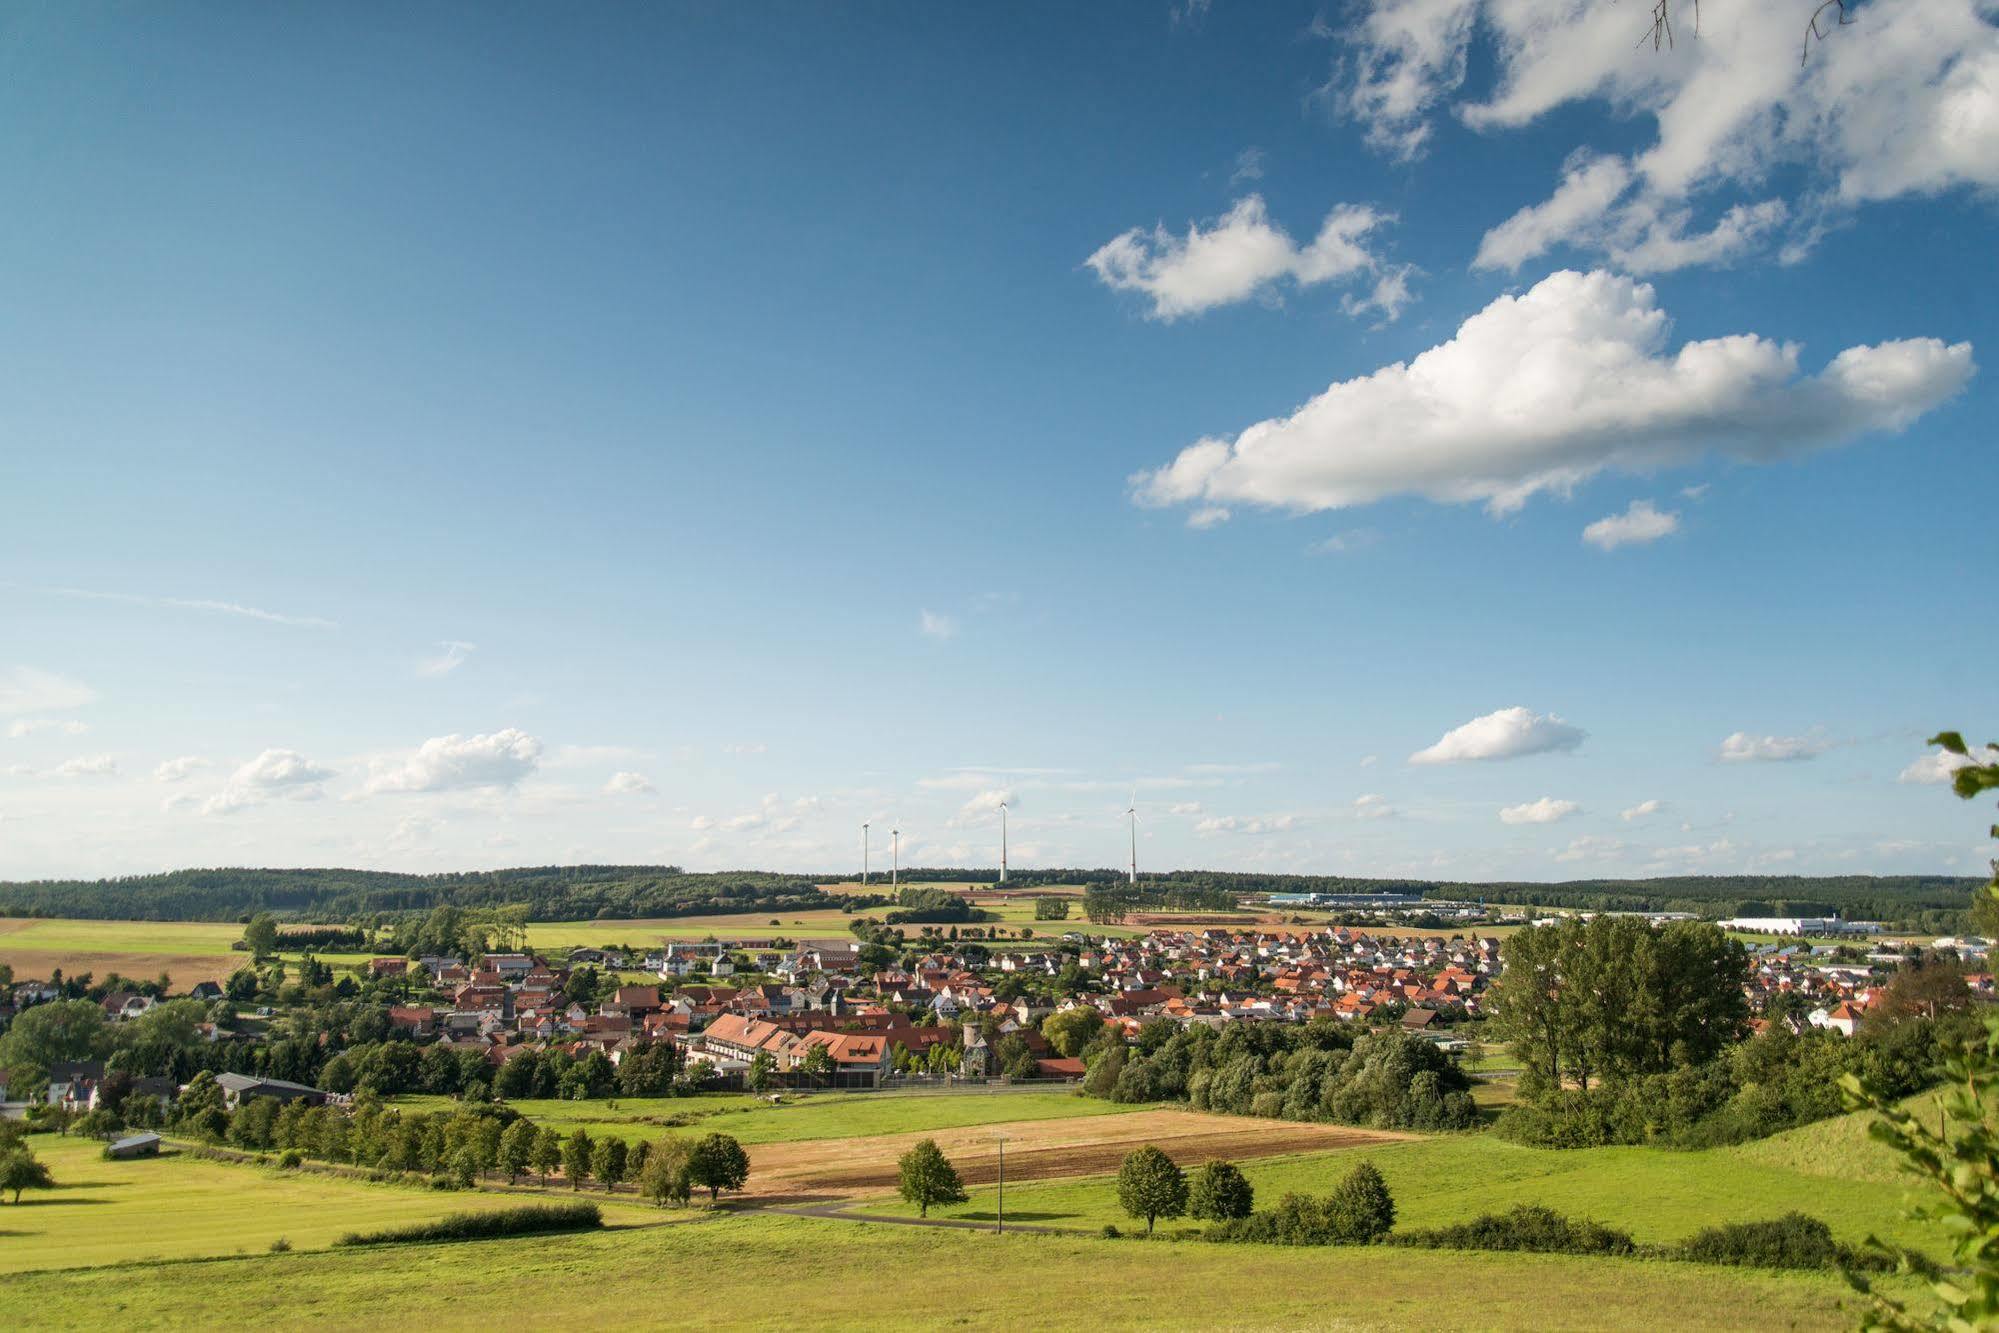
x=1903 y=101
x=88 y=766
x=1543 y=390
x=447 y=763
x=1242 y=255
x=1637 y=525
x=1544 y=811
x=1743 y=748
x=179 y=770
x=627 y=783
x=1510 y=733
x=984 y=806
x=1640 y=810
x=1372 y=806
x=936 y=625
x=1939 y=765
x=274 y=773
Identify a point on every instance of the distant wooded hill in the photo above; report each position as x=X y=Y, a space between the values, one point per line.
x=562 y=893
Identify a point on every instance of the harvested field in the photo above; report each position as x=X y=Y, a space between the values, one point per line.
x=823 y=1170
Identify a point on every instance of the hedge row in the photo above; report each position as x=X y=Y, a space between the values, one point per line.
x=530 y=1220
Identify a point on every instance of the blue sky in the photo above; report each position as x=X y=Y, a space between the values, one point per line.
x=778 y=407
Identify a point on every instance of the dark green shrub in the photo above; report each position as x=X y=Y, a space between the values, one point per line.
x=1527 y=1227
x=530 y=1220
x=291 y=1159
x=1794 y=1240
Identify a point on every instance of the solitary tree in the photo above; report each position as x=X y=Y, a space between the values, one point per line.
x=261 y=936
x=1150 y=1185
x=928 y=1177
x=762 y=1066
x=817 y=1062
x=1218 y=1192
x=717 y=1163
x=20 y=1171
x=576 y=1158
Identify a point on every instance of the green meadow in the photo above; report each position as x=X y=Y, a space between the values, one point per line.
x=750 y=1271
x=177 y=1206
x=1829 y=1170
x=828 y=1115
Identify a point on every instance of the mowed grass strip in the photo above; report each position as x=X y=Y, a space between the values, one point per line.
x=867 y=1276
x=179 y=1206
x=1656 y=1194
x=813 y=1116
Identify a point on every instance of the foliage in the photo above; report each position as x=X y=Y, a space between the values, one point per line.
x=717 y=1163
x=1959 y=1158
x=1613 y=998
x=577 y=1155
x=532 y=1219
x=1526 y=1227
x=1359 y=1211
x=22 y=1170
x=1051 y=909
x=1151 y=1185
x=1219 y=1192
x=1070 y=1030
x=53 y=1033
x=1317 y=1071
x=927 y=1177
x=1791 y=1241
x=663 y=1177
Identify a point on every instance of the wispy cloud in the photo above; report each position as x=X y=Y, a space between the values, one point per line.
x=452 y=654
x=202 y=604
x=936 y=625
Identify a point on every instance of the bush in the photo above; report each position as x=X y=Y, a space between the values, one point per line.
x=1794 y=1240
x=281 y=1246
x=291 y=1159
x=1359 y=1211
x=1110 y=1231
x=533 y=1219
x=1527 y=1227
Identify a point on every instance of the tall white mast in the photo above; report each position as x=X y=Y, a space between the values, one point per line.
x=864 y=854
x=1002 y=842
x=895 y=859
x=1131 y=816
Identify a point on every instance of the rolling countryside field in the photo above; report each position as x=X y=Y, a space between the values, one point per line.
x=895 y=1277
x=116 y=1238
x=178 y=1206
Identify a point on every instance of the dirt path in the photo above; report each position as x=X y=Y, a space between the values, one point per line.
x=824 y=1171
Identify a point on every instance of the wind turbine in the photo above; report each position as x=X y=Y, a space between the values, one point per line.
x=895 y=859
x=1131 y=815
x=864 y=853
x=1002 y=842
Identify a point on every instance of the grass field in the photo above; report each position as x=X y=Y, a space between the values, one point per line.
x=177 y=1206
x=781 y=1272
x=829 y=1115
x=1656 y=1194
x=188 y=951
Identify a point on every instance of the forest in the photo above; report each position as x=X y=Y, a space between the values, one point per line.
x=569 y=893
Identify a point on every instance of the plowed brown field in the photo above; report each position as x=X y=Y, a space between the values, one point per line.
x=821 y=1170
